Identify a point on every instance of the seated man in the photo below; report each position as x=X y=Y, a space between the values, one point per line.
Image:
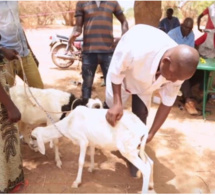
x=184 y=35
x=170 y=22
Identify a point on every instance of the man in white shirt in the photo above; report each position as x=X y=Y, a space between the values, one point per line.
x=147 y=59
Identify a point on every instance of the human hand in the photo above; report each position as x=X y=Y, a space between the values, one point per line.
x=115 y=42
x=114 y=114
x=71 y=40
x=150 y=136
x=200 y=29
x=13 y=114
x=9 y=54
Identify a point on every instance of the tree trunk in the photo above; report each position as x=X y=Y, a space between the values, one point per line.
x=147 y=12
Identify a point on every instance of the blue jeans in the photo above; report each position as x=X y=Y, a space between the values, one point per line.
x=90 y=62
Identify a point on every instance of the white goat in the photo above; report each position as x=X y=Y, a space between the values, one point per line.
x=89 y=127
x=51 y=100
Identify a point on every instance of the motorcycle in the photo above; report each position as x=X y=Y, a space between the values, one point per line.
x=61 y=56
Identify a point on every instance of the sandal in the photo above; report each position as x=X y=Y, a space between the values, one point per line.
x=19 y=187
x=190 y=107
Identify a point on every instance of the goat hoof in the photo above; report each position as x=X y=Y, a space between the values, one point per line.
x=151 y=186
x=59 y=164
x=75 y=185
x=139 y=174
x=90 y=169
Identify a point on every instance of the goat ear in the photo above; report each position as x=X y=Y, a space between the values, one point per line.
x=41 y=145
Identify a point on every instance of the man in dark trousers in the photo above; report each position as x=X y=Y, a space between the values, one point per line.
x=96 y=19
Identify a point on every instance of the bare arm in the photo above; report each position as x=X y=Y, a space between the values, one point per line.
x=12 y=111
x=115 y=113
x=124 y=23
x=159 y=119
x=77 y=30
x=199 y=21
x=124 y=28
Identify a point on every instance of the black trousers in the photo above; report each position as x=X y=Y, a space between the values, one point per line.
x=186 y=87
x=139 y=108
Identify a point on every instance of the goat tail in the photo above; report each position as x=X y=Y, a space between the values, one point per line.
x=142 y=147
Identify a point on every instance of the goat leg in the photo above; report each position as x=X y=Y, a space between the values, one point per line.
x=57 y=153
x=151 y=182
x=145 y=169
x=92 y=162
x=83 y=148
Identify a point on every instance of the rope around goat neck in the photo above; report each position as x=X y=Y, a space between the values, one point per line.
x=38 y=104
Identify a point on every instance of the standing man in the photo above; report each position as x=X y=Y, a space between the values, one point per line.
x=141 y=65
x=206 y=43
x=13 y=37
x=170 y=22
x=184 y=35
x=96 y=18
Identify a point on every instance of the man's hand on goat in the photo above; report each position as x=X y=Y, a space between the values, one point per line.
x=114 y=114
x=13 y=114
x=150 y=137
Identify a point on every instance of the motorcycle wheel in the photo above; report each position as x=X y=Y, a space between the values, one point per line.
x=61 y=63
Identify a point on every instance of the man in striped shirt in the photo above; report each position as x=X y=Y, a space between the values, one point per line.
x=96 y=19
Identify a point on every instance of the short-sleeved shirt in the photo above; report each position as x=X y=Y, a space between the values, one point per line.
x=210 y=24
x=167 y=24
x=177 y=36
x=135 y=63
x=98 y=25
x=12 y=34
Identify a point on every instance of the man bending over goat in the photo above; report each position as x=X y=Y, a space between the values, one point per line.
x=143 y=64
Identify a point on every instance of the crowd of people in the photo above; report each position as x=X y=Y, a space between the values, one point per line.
x=145 y=59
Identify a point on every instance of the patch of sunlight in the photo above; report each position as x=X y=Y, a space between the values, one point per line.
x=30 y=165
x=108 y=165
x=163 y=151
x=46 y=163
x=98 y=187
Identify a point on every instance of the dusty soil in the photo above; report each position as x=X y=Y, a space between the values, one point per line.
x=182 y=150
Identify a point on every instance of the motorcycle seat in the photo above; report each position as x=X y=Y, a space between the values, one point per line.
x=63 y=37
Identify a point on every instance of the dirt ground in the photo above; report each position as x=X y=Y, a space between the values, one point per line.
x=182 y=150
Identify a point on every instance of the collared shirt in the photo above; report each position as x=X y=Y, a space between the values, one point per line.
x=12 y=34
x=135 y=63
x=98 y=25
x=177 y=36
x=167 y=24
